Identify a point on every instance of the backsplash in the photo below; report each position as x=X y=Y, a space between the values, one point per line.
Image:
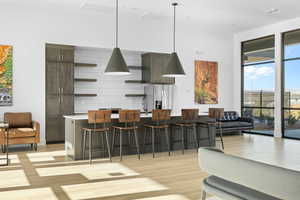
x=110 y=90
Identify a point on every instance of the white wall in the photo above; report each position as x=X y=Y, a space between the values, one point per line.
x=29 y=30
x=110 y=90
x=274 y=29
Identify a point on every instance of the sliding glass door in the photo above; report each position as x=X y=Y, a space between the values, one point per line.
x=258 y=83
x=291 y=84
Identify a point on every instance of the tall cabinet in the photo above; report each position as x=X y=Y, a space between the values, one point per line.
x=59 y=89
x=153 y=65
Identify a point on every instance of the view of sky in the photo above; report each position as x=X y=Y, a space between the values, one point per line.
x=262 y=77
x=259 y=77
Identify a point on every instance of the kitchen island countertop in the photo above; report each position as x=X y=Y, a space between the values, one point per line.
x=116 y=116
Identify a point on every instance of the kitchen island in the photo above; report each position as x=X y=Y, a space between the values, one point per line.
x=74 y=141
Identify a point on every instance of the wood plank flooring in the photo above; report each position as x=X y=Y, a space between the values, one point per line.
x=47 y=174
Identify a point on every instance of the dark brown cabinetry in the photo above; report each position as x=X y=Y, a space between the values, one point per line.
x=153 y=65
x=59 y=89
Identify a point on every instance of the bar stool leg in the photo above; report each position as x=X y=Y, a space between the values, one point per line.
x=137 y=143
x=84 y=144
x=182 y=139
x=153 y=142
x=209 y=135
x=195 y=135
x=108 y=147
x=120 y=145
x=145 y=134
x=171 y=137
x=168 y=140
x=221 y=136
x=102 y=141
x=113 y=141
x=90 y=147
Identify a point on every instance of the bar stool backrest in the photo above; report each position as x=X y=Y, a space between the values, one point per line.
x=190 y=114
x=216 y=113
x=161 y=115
x=99 y=116
x=129 y=116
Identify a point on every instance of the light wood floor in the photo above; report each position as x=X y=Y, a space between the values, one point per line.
x=49 y=175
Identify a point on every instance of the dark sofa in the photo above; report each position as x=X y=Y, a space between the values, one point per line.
x=232 y=122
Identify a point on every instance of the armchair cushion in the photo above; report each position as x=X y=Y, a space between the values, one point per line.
x=18 y=120
x=21 y=132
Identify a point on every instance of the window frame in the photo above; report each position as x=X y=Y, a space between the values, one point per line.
x=282 y=76
x=243 y=79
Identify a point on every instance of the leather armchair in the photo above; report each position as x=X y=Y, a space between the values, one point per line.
x=22 y=130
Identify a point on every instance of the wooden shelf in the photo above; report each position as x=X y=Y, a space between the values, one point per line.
x=85 y=79
x=135 y=95
x=134 y=81
x=85 y=65
x=135 y=67
x=85 y=95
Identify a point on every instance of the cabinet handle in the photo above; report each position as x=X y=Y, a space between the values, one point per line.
x=59 y=95
x=62 y=96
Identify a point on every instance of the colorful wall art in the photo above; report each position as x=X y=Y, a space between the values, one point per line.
x=6 y=65
x=206 y=82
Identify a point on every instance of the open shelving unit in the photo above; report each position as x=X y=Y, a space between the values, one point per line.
x=135 y=95
x=85 y=65
x=85 y=95
x=134 y=81
x=85 y=79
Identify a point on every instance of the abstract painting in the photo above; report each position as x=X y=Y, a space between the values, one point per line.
x=6 y=66
x=206 y=82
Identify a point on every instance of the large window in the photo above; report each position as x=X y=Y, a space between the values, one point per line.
x=258 y=76
x=291 y=84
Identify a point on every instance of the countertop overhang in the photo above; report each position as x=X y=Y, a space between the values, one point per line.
x=116 y=116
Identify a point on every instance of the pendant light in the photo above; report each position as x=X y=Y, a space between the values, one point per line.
x=174 y=67
x=117 y=64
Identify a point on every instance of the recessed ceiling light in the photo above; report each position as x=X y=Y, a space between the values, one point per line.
x=273 y=11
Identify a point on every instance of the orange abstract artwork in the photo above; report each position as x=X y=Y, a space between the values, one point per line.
x=5 y=75
x=206 y=82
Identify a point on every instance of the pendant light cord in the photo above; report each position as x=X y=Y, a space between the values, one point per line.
x=117 y=23
x=174 y=27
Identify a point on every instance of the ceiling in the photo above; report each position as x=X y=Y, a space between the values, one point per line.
x=236 y=15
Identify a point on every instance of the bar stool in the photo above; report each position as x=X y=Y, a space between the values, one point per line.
x=129 y=118
x=189 y=118
x=159 y=117
x=97 y=117
x=218 y=115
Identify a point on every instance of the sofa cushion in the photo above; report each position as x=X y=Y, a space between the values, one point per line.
x=235 y=124
x=223 y=188
x=21 y=132
x=245 y=124
x=18 y=120
x=230 y=116
x=230 y=125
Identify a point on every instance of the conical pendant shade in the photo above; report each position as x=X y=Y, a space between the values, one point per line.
x=116 y=64
x=174 y=67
